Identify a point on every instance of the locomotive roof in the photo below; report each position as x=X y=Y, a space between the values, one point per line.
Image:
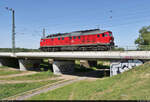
x=77 y=33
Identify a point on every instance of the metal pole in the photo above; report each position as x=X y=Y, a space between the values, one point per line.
x=13 y=28
x=13 y=31
x=127 y=48
x=43 y=32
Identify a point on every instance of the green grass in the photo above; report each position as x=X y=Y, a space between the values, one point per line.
x=2 y=67
x=7 y=90
x=131 y=85
x=37 y=76
x=8 y=72
x=5 y=70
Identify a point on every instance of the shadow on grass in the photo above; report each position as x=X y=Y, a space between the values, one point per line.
x=95 y=72
x=100 y=66
x=81 y=68
x=44 y=66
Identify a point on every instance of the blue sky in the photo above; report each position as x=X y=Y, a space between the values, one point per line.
x=31 y=16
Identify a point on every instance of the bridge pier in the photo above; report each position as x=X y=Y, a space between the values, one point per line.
x=88 y=64
x=120 y=66
x=1 y=62
x=29 y=64
x=63 y=67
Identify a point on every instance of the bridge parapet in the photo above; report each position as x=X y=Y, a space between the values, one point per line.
x=88 y=55
x=82 y=55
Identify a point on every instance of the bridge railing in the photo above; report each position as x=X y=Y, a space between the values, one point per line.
x=133 y=48
x=119 y=48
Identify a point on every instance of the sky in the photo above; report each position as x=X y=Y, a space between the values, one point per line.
x=123 y=17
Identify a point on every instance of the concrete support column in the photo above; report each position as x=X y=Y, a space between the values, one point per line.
x=29 y=64
x=1 y=62
x=63 y=67
x=119 y=66
x=87 y=63
x=50 y=61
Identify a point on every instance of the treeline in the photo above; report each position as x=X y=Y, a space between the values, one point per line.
x=143 y=41
x=18 y=50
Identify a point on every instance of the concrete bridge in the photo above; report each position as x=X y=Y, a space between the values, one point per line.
x=64 y=61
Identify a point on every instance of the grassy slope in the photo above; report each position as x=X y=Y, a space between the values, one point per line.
x=37 y=76
x=7 y=90
x=131 y=85
x=4 y=70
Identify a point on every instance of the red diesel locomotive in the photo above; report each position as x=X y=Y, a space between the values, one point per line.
x=85 y=40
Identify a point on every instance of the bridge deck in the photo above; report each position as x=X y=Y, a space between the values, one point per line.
x=82 y=55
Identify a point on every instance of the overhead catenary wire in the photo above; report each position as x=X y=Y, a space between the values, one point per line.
x=114 y=19
x=101 y=23
x=102 y=17
x=125 y=22
x=114 y=25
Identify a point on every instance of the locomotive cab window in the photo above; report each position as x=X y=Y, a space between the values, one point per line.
x=98 y=35
x=78 y=37
x=70 y=38
x=74 y=37
x=110 y=34
x=58 y=38
x=105 y=35
x=62 y=38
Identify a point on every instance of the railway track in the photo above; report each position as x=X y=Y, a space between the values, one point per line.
x=46 y=88
x=67 y=79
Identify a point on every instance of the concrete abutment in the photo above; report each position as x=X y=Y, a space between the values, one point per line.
x=63 y=67
x=88 y=64
x=120 y=66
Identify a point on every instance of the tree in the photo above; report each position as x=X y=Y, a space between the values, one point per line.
x=143 y=41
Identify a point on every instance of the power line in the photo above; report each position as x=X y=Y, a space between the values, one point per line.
x=101 y=17
x=114 y=18
x=108 y=21
x=137 y=21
